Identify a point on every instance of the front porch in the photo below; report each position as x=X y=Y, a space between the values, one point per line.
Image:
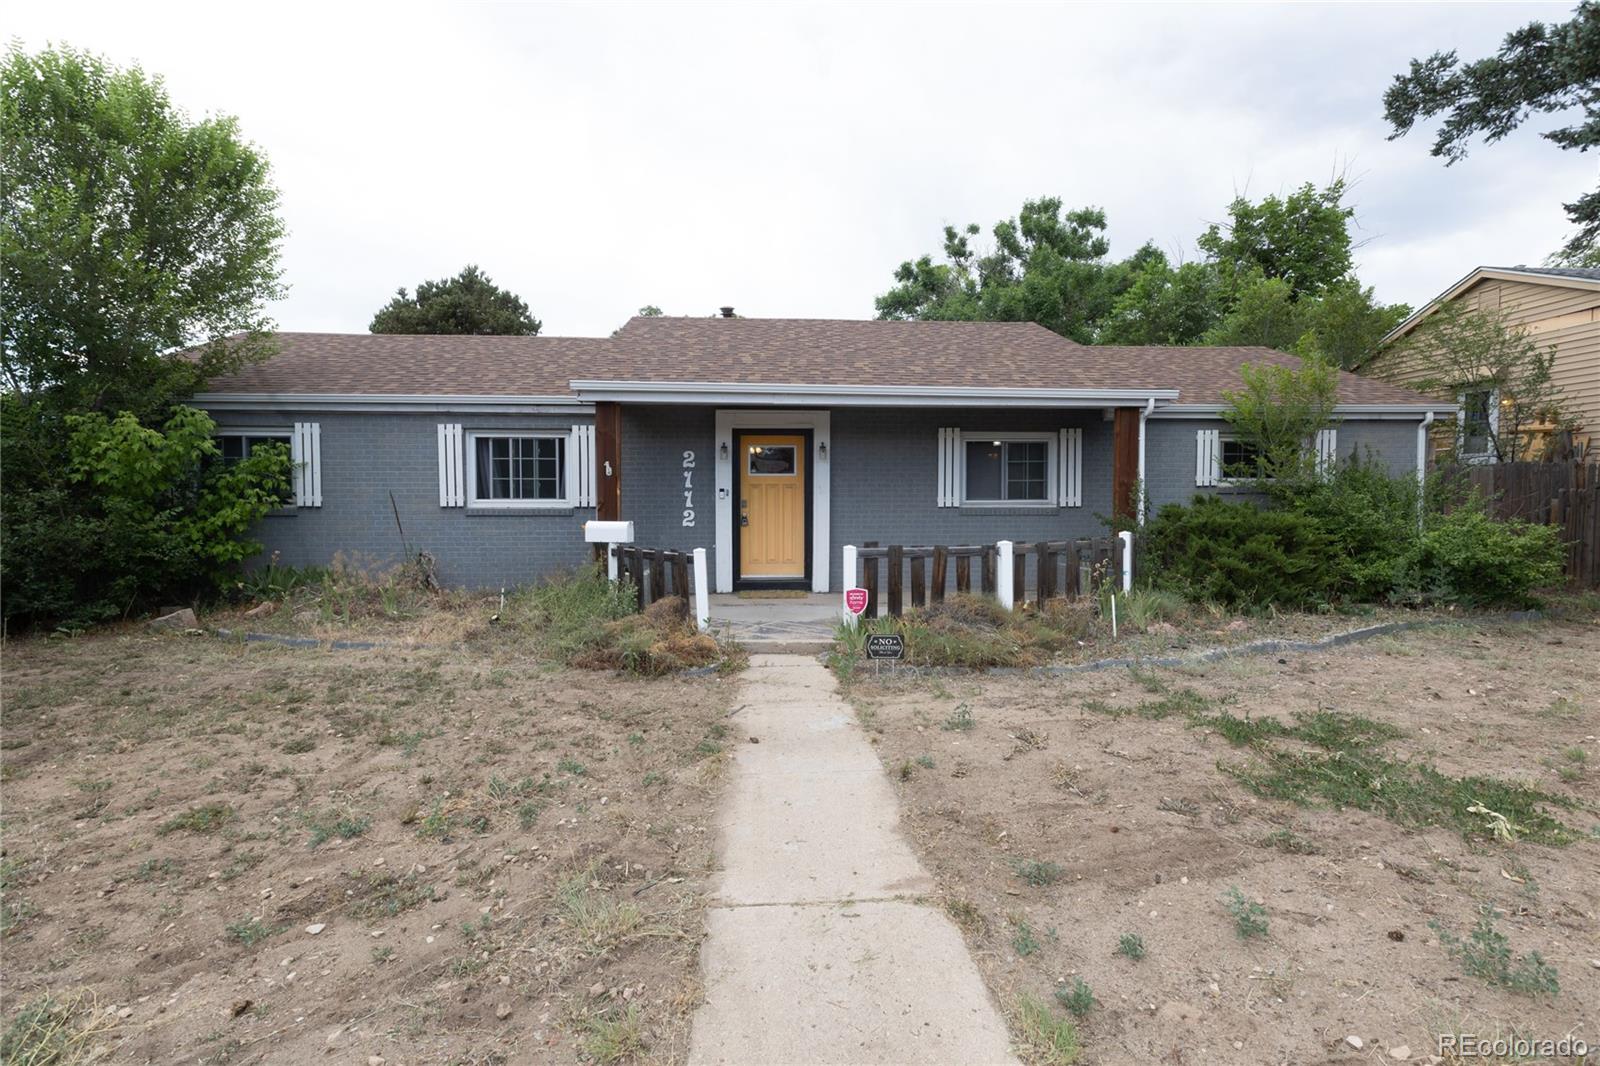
x=798 y=623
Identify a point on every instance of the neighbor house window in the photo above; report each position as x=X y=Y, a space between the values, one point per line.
x=237 y=446
x=1477 y=421
x=1008 y=471
x=514 y=471
x=1241 y=460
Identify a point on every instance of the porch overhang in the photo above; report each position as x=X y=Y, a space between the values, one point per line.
x=740 y=394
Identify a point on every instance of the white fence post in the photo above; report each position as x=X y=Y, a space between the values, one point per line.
x=849 y=582
x=702 y=599
x=611 y=561
x=1126 y=537
x=1004 y=573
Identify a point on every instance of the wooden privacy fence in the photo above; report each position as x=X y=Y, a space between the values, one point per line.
x=657 y=573
x=1566 y=495
x=898 y=576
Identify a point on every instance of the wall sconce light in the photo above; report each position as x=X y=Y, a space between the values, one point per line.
x=822 y=451
x=722 y=451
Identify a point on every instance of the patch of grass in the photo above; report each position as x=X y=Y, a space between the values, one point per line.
x=156 y=869
x=1350 y=772
x=1289 y=842
x=1037 y=872
x=959 y=721
x=1182 y=701
x=1562 y=708
x=387 y=895
x=53 y=1030
x=614 y=1035
x=251 y=932
x=528 y=812
x=1131 y=946
x=1486 y=954
x=299 y=745
x=966 y=915
x=1023 y=941
x=1077 y=997
x=408 y=743
x=569 y=765
x=1249 y=917
x=1053 y=1041
x=925 y=761
x=324 y=827
x=597 y=921
x=206 y=819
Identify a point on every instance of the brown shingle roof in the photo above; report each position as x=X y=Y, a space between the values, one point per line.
x=773 y=351
x=416 y=365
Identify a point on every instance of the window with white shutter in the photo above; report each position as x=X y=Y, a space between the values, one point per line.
x=305 y=453
x=1327 y=451
x=452 y=468
x=1071 y=466
x=1207 y=458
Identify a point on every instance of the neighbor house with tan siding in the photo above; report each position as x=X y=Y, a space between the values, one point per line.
x=1556 y=306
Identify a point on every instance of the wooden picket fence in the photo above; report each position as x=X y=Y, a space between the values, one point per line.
x=1060 y=569
x=1566 y=495
x=656 y=573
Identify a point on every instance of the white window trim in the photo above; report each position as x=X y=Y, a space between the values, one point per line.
x=1487 y=453
x=303 y=490
x=469 y=459
x=1223 y=480
x=1052 y=475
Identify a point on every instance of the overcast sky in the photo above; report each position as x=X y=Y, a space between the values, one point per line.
x=785 y=159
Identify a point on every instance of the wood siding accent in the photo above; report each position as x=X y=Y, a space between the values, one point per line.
x=1124 y=461
x=608 y=461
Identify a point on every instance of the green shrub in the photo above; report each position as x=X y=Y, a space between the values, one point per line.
x=1468 y=557
x=1240 y=555
x=1370 y=519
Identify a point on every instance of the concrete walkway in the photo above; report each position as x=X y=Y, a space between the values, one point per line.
x=817 y=951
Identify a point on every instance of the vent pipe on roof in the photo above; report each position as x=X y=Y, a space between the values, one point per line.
x=727 y=312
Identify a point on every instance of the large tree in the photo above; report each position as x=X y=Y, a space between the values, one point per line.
x=126 y=231
x=1044 y=266
x=1302 y=238
x=1540 y=68
x=138 y=251
x=468 y=303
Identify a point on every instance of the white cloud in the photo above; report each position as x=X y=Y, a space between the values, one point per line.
x=785 y=159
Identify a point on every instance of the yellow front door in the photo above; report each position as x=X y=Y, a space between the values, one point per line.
x=772 y=505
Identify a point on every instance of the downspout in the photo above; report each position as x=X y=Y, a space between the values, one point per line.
x=1149 y=406
x=1422 y=460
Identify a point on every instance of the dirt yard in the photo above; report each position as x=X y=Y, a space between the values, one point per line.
x=1093 y=828
x=217 y=852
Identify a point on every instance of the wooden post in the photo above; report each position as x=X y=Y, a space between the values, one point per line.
x=896 y=591
x=1019 y=577
x=1072 y=588
x=1047 y=571
x=680 y=580
x=988 y=570
x=941 y=563
x=658 y=582
x=963 y=573
x=1124 y=462
x=608 y=461
x=869 y=581
x=636 y=561
x=919 y=581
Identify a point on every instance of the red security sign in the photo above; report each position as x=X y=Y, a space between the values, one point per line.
x=855 y=600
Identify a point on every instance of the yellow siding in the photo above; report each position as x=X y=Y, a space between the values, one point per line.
x=1565 y=317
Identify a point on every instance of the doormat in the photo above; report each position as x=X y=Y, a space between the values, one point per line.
x=772 y=594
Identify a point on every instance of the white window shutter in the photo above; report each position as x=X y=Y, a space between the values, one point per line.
x=950 y=468
x=1327 y=451
x=305 y=453
x=452 y=468
x=1207 y=457
x=1071 y=464
x=580 y=466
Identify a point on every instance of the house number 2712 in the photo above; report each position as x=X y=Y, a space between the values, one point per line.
x=688 y=488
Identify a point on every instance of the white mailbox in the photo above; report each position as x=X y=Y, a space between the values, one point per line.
x=608 y=532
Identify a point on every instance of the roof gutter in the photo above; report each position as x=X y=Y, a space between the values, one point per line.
x=1379 y=412
x=388 y=402
x=782 y=395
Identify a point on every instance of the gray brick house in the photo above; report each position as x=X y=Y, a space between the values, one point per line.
x=770 y=443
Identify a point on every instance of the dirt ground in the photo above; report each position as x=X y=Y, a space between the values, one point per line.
x=1109 y=777
x=218 y=852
